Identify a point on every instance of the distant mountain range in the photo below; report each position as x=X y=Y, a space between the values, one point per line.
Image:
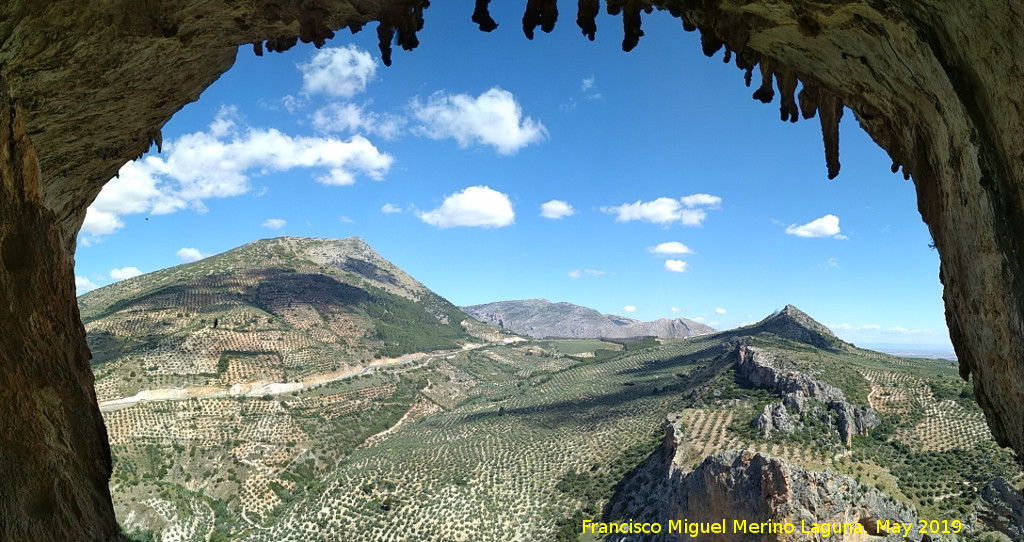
x=541 y=318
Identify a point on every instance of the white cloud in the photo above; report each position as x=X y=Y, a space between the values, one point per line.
x=826 y=226
x=676 y=266
x=274 y=223
x=124 y=273
x=389 y=208
x=345 y=219
x=493 y=118
x=670 y=248
x=629 y=308
x=701 y=200
x=720 y=310
x=83 y=284
x=593 y=272
x=338 y=71
x=832 y=262
x=674 y=309
x=587 y=84
x=218 y=163
x=556 y=209
x=473 y=206
x=349 y=117
x=100 y=223
x=699 y=319
x=574 y=274
x=666 y=210
x=188 y=254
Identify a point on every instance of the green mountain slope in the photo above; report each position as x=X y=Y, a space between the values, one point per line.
x=275 y=310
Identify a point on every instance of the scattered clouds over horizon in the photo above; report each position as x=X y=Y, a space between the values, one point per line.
x=826 y=226
x=676 y=266
x=720 y=310
x=556 y=209
x=688 y=210
x=274 y=223
x=389 y=208
x=124 y=273
x=670 y=248
x=188 y=254
x=629 y=308
x=475 y=206
x=493 y=118
x=218 y=163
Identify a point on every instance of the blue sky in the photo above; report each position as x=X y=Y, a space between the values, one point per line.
x=490 y=167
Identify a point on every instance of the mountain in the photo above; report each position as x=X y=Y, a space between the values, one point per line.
x=541 y=318
x=283 y=309
x=793 y=323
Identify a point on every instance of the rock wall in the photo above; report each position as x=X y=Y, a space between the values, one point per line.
x=769 y=371
x=749 y=486
x=87 y=86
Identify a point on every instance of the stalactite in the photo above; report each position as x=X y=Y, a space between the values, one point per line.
x=404 y=21
x=482 y=17
x=631 y=19
x=765 y=92
x=710 y=43
x=786 y=81
x=280 y=45
x=830 y=109
x=542 y=13
x=808 y=99
x=586 y=17
x=313 y=30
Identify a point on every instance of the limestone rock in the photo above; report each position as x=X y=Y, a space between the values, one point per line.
x=767 y=370
x=773 y=418
x=750 y=486
x=1003 y=508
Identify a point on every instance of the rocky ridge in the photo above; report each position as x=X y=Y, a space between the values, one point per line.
x=802 y=395
x=751 y=486
x=540 y=318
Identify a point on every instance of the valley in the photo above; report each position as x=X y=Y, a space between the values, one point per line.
x=320 y=408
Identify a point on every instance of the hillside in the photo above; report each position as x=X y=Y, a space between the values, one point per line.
x=536 y=436
x=278 y=310
x=540 y=318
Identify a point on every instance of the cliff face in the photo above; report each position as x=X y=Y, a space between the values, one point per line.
x=86 y=87
x=765 y=370
x=750 y=486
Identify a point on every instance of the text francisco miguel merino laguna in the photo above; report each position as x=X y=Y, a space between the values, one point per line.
x=695 y=529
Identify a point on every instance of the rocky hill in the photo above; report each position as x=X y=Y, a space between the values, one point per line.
x=275 y=310
x=540 y=318
x=795 y=324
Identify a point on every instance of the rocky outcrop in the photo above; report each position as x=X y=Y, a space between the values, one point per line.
x=540 y=318
x=1002 y=508
x=744 y=485
x=86 y=87
x=752 y=487
x=773 y=372
x=774 y=417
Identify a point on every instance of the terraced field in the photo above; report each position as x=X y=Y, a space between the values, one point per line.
x=507 y=442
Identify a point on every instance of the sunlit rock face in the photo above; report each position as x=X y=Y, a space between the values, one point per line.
x=86 y=87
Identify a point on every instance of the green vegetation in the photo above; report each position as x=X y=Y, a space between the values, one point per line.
x=405 y=327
